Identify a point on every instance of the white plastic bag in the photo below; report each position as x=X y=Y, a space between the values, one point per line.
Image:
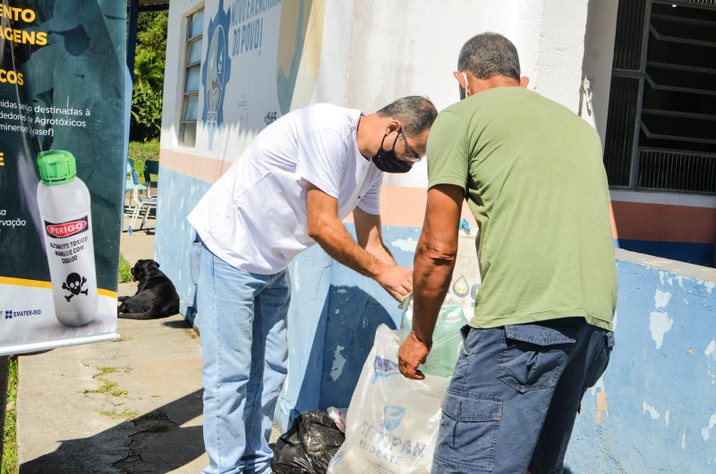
x=392 y=422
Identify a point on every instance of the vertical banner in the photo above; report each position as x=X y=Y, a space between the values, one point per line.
x=62 y=129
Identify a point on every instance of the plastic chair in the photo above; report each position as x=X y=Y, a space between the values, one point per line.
x=151 y=176
x=129 y=185
x=139 y=203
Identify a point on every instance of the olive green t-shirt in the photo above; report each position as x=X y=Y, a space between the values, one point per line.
x=533 y=177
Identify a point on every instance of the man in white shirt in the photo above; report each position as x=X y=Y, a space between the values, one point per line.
x=291 y=188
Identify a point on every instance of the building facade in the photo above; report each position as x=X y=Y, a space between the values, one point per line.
x=234 y=66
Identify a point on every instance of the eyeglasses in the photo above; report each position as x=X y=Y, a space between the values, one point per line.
x=411 y=156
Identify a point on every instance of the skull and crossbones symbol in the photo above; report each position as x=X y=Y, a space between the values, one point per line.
x=74 y=285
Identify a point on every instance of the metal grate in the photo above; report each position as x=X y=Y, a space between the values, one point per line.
x=630 y=28
x=668 y=170
x=620 y=129
x=691 y=3
x=661 y=107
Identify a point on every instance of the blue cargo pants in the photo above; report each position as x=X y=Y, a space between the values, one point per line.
x=515 y=393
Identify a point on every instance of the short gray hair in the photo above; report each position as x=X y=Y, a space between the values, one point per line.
x=489 y=54
x=415 y=113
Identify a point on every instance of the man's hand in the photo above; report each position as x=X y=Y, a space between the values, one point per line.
x=411 y=354
x=397 y=280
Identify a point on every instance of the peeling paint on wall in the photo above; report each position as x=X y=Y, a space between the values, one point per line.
x=666 y=418
x=659 y=324
x=661 y=298
x=710 y=354
x=602 y=406
x=338 y=363
x=661 y=277
x=406 y=245
x=683 y=441
x=653 y=413
x=706 y=431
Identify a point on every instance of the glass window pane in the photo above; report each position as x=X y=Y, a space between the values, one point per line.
x=194 y=55
x=192 y=79
x=187 y=134
x=196 y=24
x=190 y=105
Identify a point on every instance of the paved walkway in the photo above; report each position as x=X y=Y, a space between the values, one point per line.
x=133 y=405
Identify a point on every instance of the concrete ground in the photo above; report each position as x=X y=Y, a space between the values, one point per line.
x=132 y=405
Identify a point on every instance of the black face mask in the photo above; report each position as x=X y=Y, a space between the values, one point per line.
x=386 y=160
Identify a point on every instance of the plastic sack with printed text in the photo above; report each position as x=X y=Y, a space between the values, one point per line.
x=392 y=422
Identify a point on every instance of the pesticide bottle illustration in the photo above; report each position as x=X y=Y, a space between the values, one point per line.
x=64 y=203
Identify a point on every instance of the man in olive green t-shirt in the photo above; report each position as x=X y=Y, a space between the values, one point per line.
x=532 y=174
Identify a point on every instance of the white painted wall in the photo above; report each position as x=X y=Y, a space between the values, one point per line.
x=558 y=71
x=598 y=57
x=403 y=47
x=335 y=68
x=374 y=51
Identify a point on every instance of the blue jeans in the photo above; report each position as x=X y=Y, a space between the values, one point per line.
x=242 y=324
x=515 y=393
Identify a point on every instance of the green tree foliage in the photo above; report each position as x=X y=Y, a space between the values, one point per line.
x=149 y=62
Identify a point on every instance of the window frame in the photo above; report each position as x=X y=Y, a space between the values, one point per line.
x=189 y=40
x=624 y=155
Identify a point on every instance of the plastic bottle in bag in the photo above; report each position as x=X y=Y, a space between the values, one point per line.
x=446 y=337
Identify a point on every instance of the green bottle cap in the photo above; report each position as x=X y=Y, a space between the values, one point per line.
x=56 y=167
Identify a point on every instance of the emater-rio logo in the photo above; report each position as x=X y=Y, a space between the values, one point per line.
x=217 y=67
x=66 y=229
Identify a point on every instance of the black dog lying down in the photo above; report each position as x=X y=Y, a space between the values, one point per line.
x=156 y=296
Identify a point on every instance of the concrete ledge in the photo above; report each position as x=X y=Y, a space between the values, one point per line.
x=689 y=270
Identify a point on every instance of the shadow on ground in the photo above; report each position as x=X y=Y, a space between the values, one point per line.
x=154 y=442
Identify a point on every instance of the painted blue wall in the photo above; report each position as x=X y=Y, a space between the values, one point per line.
x=178 y=194
x=658 y=396
x=653 y=411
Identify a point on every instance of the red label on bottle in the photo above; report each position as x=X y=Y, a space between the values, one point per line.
x=66 y=229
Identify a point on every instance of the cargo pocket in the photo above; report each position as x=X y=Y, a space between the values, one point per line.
x=599 y=365
x=468 y=431
x=533 y=356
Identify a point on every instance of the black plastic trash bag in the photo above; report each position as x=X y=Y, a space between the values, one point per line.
x=308 y=446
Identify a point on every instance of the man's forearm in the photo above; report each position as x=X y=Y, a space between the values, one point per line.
x=338 y=243
x=381 y=252
x=431 y=279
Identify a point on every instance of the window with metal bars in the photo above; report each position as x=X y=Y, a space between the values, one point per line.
x=192 y=75
x=662 y=105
